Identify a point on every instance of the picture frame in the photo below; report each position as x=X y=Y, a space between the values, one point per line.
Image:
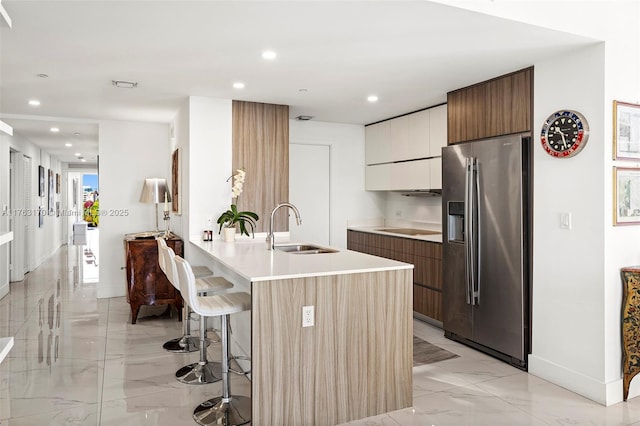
x=75 y=192
x=626 y=131
x=50 y=205
x=626 y=196
x=176 y=205
x=57 y=183
x=41 y=213
x=40 y=181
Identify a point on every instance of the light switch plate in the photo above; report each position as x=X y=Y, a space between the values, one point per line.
x=565 y=220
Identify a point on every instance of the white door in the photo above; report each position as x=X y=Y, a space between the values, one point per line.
x=309 y=191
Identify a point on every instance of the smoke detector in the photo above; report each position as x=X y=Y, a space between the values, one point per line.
x=124 y=84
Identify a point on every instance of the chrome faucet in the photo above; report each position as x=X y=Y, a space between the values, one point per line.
x=271 y=240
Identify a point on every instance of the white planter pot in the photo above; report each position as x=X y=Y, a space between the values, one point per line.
x=229 y=234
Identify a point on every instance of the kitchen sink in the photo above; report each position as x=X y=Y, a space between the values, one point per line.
x=304 y=249
x=409 y=231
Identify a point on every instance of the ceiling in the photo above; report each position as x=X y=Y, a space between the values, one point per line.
x=330 y=57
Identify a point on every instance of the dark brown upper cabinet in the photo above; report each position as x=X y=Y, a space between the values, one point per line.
x=500 y=106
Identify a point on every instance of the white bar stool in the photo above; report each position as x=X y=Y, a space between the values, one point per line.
x=206 y=283
x=203 y=371
x=228 y=410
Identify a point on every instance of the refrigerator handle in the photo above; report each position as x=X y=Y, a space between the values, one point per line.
x=472 y=252
x=477 y=236
x=468 y=229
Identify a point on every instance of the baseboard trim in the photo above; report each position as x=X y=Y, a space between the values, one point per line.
x=596 y=390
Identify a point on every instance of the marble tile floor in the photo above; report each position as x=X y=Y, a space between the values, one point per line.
x=77 y=360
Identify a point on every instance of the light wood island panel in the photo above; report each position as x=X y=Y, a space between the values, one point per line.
x=261 y=147
x=355 y=362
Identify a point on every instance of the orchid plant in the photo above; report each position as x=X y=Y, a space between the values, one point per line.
x=246 y=220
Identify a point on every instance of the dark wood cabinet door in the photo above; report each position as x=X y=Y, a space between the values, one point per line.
x=426 y=257
x=146 y=283
x=501 y=106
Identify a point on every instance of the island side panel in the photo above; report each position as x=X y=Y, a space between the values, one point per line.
x=355 y=362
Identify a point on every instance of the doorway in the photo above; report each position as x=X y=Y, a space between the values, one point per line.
x=83 y=222
x=21 y=221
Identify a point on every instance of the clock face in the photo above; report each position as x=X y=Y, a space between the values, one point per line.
x=564 y=133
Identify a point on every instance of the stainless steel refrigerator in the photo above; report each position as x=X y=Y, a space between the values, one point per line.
x=485 y=202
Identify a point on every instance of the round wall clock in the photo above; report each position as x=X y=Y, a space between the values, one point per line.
x=564 y=133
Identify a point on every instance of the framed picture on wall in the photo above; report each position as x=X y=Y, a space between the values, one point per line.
x=75 y=192
x=57 y=183
x=50 y=205
x=40 y=181
x=626 y=195
x=175 y=182
x=626 y=131
x=41 y=213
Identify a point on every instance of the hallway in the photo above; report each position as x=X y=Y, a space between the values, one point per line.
x=78 y=360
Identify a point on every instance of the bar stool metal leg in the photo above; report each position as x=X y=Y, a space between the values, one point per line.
x=186 y=343
x=203 y=371
x=228 y=410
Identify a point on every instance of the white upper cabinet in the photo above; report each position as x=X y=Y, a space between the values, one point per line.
x=400 y=141
x=378 y=177
x=411 y=175
x=404 y=153
x=419 y=135
x=437 y=130
x=377 y=143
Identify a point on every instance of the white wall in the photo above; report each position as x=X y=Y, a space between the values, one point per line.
x=577 y=303
x=348 y=198
x=202 y=132
x=568 y=275
x=415 y=209
x=129 y=153
x=4 y=220
x=44 y=240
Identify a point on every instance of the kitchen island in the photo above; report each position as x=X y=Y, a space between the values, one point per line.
x=354 y=362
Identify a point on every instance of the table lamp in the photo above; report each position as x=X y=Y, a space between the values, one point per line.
x=155 y=190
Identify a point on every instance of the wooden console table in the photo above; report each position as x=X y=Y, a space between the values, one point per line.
x=630 y=326
x=146 y=283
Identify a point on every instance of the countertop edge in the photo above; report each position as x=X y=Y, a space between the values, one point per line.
x=372 y=230
x=6 y=237
x=6 y=343
x=331 y=273
x=209 y=249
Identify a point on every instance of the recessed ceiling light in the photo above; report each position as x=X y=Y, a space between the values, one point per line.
x=304 y=117
x=303 y=90
x=238 y=85
x=54 y=129
x=34 y=102
x=78 y=154
x=372 y=98
x=76 y=134
x=68 y=145
x=269 y=54
x=42 y=75
x=83 y=160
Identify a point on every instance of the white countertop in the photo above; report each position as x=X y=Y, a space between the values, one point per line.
x=6 y=343
x=435 y=238
x=250 y=259
x=6 y=237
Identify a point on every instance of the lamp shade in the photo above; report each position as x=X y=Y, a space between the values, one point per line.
x=154 y=190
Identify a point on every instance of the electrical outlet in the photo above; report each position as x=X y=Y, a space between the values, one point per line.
x=565 y=220
x=308 y=316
